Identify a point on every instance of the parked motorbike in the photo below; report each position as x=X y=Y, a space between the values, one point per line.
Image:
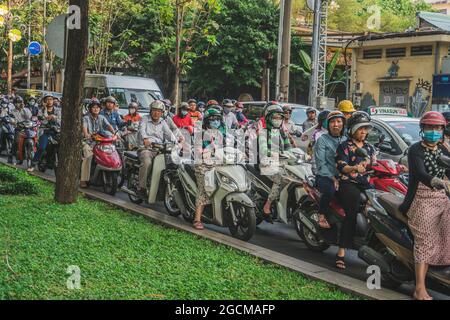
x=106 y=163
x=227 y=186
x=296 y=168
x=155 y=185
x=393 y=250
x=384 y=176
x=7 y=135
x=27 y=141
x=50 y=155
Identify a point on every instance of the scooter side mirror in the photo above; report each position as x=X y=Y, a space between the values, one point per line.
x=444 y=161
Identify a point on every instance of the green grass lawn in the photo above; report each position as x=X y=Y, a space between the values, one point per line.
x=122 y=256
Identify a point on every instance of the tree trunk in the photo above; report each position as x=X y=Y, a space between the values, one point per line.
x=10 y=64
x=176 y=85
x=10 y=50
x=68 y=171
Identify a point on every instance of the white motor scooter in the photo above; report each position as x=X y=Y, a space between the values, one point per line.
x=227 y=185
x=295 y=168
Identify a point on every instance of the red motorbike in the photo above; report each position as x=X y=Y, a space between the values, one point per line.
x=106 y=163
x=384 y=176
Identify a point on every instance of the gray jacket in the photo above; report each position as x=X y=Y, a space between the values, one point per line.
x=22 y=115
x=325 y=155
x=155 y=132
x=94 y=126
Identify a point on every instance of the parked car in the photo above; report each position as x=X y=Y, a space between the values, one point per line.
x=124 y=88
x=396 y=134
x=393 y=132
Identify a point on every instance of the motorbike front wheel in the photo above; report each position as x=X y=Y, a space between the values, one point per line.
x=42 y=166
x=245 y=226
x=312 y=240
x=8 y=148
x=298 y=225
x=169 y=201
x=110 y=182
x=29 y=153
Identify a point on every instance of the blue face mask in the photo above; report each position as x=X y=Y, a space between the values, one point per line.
x=184 y=113
x=432 y=136
x=215 y=124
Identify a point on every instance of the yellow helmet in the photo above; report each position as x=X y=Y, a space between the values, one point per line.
x=346 y=106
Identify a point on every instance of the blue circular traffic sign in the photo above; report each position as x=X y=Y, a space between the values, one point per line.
x=34 y=48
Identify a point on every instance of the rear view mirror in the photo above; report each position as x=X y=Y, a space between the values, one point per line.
x=385 y=147
x=444 y=161
x=360 y=152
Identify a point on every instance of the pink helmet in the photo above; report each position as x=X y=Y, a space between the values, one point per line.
x=433 y=118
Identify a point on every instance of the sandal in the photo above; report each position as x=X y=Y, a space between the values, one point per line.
x=340 y=262
x=268 y=217
x=83 y=184
x=198 y=225
x=323 y=222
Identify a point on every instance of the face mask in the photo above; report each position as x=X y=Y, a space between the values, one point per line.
x=226 y=111
x=184 y=113
x=215 y=124
x=432 y=136
x=277 y=123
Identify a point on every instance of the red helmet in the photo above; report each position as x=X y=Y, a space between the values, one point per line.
x=433 y=118
x=212 y=103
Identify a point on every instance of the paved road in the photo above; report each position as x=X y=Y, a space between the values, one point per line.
x=283 y=238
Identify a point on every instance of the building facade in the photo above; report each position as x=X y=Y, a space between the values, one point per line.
x=441 y=6
x=399 y=69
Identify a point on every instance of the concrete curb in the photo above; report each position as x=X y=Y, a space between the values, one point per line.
x=309 y=270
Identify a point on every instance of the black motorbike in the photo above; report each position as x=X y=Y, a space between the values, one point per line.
x=395 y=246
x=50 y=156
x=7 y=135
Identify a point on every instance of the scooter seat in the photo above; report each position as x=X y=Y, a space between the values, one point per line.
x=132 y=155
x=392 y=203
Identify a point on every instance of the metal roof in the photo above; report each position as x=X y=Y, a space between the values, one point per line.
x=439 y=20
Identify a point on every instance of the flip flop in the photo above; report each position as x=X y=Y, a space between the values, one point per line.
x=340 y=262
x=198 y=225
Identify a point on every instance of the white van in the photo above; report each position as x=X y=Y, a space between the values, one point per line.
x=124 y=88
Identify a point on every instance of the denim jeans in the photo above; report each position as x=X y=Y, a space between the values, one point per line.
x=328 y=190
x=42 y=146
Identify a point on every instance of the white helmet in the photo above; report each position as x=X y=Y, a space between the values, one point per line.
x=157 y=105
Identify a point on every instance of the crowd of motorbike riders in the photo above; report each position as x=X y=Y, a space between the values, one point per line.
x=341 y=172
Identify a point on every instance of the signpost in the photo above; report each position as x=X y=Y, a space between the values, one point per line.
x=34 y=48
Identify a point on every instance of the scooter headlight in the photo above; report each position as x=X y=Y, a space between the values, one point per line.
x=227 y=183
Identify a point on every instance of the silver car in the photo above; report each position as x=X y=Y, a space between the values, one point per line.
x=396 y=135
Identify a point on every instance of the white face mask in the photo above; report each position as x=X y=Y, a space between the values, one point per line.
x=277 y=123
